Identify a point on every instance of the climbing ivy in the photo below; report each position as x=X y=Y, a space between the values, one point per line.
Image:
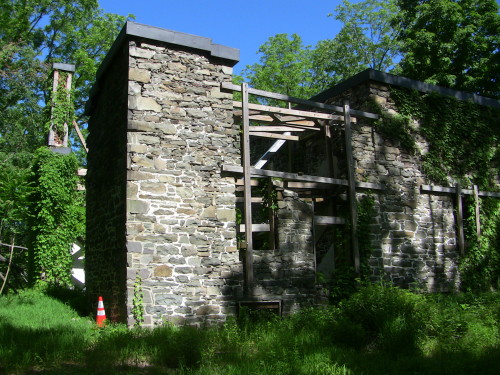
x=57 y=216
x=61 y=106
x=463 y=147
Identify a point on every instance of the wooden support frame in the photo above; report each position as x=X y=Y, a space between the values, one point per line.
x=247 y=193
x=353 y=208
x=460 y=220
x=316 y=181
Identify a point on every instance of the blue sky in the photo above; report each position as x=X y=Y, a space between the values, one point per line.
x=235 y=23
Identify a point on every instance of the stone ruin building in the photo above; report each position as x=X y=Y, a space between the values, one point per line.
x=171 y=177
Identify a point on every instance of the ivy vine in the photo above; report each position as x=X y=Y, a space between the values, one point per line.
x=463 y=147
x=57 y=216
x=61 y=106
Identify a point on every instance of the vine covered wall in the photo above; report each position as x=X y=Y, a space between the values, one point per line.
x=57 y=216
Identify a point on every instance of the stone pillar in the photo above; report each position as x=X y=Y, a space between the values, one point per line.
x=174 y=213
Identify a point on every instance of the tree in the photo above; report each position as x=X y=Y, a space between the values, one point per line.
x=454 y=43
x=285 y=67
x=33 y=35
x=367 y=40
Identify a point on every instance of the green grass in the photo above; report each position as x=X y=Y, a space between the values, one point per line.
x=379 y=330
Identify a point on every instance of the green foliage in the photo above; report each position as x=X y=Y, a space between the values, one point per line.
x=392 y=318
x=57 y=216
x=453 y=43
x=137 y=302
x=463 y=146
x=285 y=67
x=463 y=143
x=379 y=330
x=366 y=40
x=61 y=106
x=480 y=266
x=396 y=127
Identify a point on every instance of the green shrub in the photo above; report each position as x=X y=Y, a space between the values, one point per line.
x=392 y=318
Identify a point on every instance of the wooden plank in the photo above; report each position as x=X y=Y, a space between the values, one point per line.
x=328 y=220
x=478 y=218
x=270 y=153
x=279 y=128
x=286 y=111
x=353 y=209
x=255 y=228
x=285 y=175
x=309 y=103
x=80 y=136
x=241 y=182
x=460 y=221
x=254 y=199
x=452 y=190
x=275 y=136
x=247 y=192
x=300 y=177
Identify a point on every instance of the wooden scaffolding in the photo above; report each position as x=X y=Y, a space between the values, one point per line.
x=292 y=124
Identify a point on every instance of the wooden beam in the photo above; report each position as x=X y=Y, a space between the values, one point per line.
x=353 y=207
x=255 y=228
x=80 y=136
x=254 y=200
x=452 y=190
x=275 y=136
x=291 y=99
x=286 y=111
x=300 y=177
x=247 y=192
x=478 y=218
x=460 y=221
x=278 y=128
x=328 y=220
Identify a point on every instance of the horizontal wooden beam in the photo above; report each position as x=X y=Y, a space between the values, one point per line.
x=299 y=177
x=291 y=99
x=293 y=112
x=328 y=220
x=254 y=200
x=453 y=190
x=275 y=136
x=256 y=228
x=277 y=128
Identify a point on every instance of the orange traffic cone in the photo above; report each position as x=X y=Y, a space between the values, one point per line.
x=101 y=314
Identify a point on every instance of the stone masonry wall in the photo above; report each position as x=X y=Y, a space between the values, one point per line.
x=287 y=274
x=105 y=255
x=413 y=235
x=180 y=230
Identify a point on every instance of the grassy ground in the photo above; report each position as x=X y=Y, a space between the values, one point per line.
x=379 y=330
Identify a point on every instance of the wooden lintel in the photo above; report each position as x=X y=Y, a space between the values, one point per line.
x=255 y=228
x=328 y=220
x=275 y=136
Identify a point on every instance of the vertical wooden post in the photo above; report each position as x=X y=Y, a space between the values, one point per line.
x=460 y=221
x=478 y=218
x=272 y=224
x=353 y=208
x=247 y=191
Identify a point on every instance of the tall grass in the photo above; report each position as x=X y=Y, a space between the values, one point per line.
x=379 y=330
